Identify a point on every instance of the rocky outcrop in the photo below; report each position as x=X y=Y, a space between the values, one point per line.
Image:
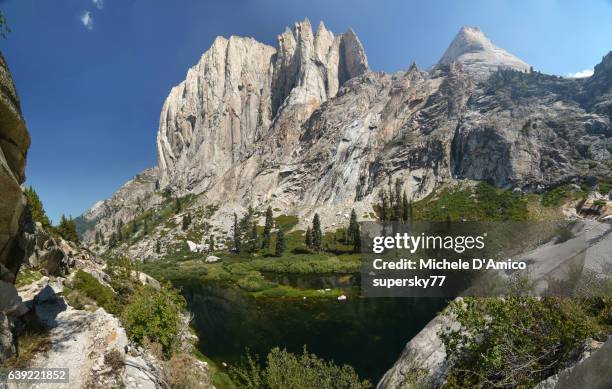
x=135 y=196
x=93 y=345
x=478 y=54
x=598 y=89
x=51 y=255
x=591 y=371
x=14 y=143
x=422 y=363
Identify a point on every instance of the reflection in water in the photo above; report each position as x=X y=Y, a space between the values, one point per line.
x=366 y=333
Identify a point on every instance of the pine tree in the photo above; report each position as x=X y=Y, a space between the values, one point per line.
x=67 y=229
x=404 y=207
x=410 y=212
x=157 y=247
x=396 y=213
x=177 y=205
x=186 y=222
x=145 y=226
x=119 y=232
x=267 y=233
x=97 y=238
x=317 y=235
x=280 y=243
x=237 y=238
x=247 y=220
x=384 y=206
x=357 y=239
x=112 y=242
x=211 y=244
x=350 y=233
x=308 y=238
x=36 y=208
x=134 y=227
x=253 y=241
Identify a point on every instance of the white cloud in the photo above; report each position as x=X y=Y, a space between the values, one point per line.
x=98 y=3
x=87 y=20
x=582 y=74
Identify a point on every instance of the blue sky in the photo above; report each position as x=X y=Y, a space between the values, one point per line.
x=92 y=75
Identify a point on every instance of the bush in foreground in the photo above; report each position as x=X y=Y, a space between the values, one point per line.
x=154 y=315
x=514 y=342
x=287 y=370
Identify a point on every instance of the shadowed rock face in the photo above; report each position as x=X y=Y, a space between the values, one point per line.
x=14 y=143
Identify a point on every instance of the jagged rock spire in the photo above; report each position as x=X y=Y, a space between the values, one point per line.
x=232 y=96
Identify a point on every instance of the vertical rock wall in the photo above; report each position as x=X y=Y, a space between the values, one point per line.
x=14 y=143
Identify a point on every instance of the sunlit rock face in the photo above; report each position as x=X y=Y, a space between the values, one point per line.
x=307 y=122
x=478 y=54
x=229 y=100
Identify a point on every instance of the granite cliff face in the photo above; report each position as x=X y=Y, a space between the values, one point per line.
x=307 y=127
x=478 y=54
x=310 y=119
x=14 y=143
x=229 y=100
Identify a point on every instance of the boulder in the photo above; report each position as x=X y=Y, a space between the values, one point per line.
x=7 y=344
x=194 y=247
x=591 y=371
x=423 y=361
x=212 y=259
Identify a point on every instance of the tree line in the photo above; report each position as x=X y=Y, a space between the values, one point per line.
x=66 y=228
x=393 y=204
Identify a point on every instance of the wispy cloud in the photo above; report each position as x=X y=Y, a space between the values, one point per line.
x=582 y=74
x=87 y=20
x=98 y=3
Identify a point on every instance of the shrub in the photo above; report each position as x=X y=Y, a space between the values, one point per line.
x=114 y=359
x=287 y=370
x=254 y=282
x=558 y=195
x=499 y=204
x=512 y=342
x=86 y=288
x=484 y=202
x=599 y=203
x=154 y=315
x=563 y=234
